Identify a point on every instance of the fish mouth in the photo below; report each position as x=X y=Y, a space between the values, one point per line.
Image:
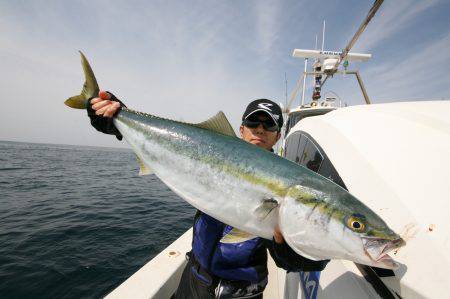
x=377 y=250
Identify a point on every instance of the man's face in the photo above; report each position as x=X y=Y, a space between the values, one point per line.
x=259 y=136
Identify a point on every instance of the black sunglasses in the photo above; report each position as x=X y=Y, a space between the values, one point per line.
x=267 y=124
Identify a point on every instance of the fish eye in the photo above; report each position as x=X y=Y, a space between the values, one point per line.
x=355 y=224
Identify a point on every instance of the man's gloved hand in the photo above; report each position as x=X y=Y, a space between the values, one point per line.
x=277 y=235
x=288 y=259
x=101 y=111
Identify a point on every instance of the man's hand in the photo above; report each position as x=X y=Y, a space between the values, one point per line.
x=103 y=105
x=101 y=111
x=277 y=236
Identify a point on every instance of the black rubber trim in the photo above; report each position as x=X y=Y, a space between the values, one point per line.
x=371 y=277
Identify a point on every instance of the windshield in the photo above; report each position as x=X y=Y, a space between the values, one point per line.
x=295 y=117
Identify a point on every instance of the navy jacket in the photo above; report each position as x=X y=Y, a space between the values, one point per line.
x=244 y=261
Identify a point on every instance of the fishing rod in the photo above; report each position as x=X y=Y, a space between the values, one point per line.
x=361 y=29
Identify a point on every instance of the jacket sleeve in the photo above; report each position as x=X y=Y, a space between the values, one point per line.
x=104 y=124
x=290 y=261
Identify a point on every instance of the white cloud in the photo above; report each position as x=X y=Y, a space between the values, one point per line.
x=166 y=60
x=183 y=60
x=420 y=75
x=268 y=21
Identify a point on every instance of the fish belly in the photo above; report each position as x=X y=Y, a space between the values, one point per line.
x=208 y=188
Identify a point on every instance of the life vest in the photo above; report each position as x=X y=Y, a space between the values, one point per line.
x=243 y=261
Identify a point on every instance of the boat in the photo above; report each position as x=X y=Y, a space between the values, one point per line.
x=394 y=157
x=384 y=154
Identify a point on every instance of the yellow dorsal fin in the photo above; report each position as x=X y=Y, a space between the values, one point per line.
x=143 y=169
x=218 y=123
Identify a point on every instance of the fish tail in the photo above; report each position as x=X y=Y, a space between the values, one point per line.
x=90 y=87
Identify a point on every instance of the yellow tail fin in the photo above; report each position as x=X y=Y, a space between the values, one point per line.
x=90 y=87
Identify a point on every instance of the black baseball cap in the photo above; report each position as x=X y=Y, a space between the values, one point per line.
x=267 y=106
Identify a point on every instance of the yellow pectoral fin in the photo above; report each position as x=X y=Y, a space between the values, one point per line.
x=143 y=169
x=236 y=236
x=266 y=207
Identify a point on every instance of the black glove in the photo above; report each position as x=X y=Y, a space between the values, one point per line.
x=289 y=260
x=104 y=124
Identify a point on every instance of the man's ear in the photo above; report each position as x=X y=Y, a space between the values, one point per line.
x=241 y=130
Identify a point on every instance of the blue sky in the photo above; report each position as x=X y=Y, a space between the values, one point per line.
x=187 y=60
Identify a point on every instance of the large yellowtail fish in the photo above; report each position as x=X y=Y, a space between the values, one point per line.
x=251 y=188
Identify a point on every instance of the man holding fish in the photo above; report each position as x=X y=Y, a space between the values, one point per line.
x=253 y=191
x=225 y=262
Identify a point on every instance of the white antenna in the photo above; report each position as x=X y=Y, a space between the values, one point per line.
x=304 y=80
x=323 y=35
x=316 y=43
x=285 y=91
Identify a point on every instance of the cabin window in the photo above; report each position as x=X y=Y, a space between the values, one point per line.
x=292 y=146
x=292 y=121
x=311 y=157
x=301 y=149
x=327 y=170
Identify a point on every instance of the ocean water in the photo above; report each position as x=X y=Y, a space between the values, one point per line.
x=75 y=222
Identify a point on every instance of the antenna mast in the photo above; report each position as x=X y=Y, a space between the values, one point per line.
x=323 y=34
x=285 y=90
x=304 y=81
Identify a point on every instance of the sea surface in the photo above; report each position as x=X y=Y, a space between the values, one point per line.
x=75 y=222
